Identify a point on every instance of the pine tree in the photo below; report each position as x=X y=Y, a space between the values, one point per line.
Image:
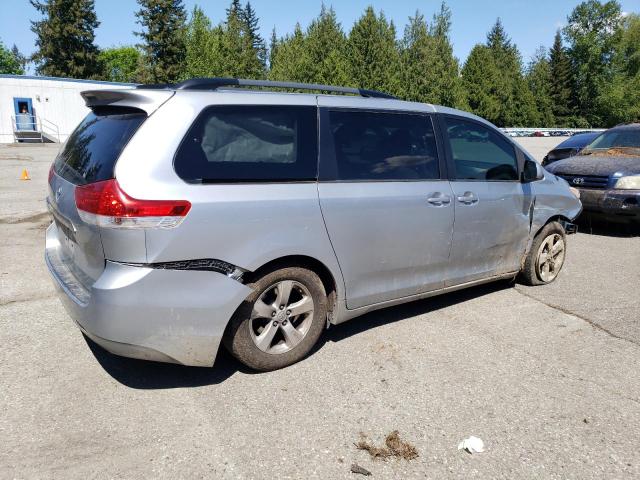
x=504 y=92
x=163 y=24
x=204 y=56
x=481 y=79
x=22 y=60
x=289 y=58
x=561 y=82
x=539 y=81
x=430 y=72
x=65 y=38
x=273 y=46
x=373 y=53
x=252 y=22
x=418 y=52
x=325 y=47
x=241 y=59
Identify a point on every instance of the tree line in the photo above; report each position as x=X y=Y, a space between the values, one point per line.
x=589 y=77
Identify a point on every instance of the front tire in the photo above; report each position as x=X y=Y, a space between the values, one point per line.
x=280 y=322
x=546 y=256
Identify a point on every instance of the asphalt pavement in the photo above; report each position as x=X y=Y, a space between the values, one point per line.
x=548 y=377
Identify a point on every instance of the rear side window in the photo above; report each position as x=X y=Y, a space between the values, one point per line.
x=250 y=144
x=480 y=153
x=93 y=148
x=383 y=146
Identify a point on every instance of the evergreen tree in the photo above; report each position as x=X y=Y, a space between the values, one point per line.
x=273 y=45
x=593 y=33
x=503 y=93
x=428 y=62
x=252 y=22
x=373 y=53
x=325 y=47
x=481 y=79
x=22 y=60
x=9 y=61
x=561 y=83
x=417 y=57
x=65 y=38
x=204 y=56
x=119 y=64
x=241 y=58
x=539 y=81
x=289 y=58
x=163 y=34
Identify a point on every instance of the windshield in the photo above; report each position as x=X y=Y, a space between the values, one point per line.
x=618 y=141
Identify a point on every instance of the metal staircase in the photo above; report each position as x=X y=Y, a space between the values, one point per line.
x=33 y=129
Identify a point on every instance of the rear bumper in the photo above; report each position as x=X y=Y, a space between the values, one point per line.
x=163 y=315
x=613 y=203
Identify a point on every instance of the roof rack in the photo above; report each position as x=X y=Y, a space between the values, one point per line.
x=217 y=82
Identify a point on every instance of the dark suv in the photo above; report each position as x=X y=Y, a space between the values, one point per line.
x=607 y=173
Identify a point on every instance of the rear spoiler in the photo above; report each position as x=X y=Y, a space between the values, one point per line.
x=147 y=100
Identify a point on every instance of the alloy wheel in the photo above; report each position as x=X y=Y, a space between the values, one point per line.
x=281 y=317
x=550 y=257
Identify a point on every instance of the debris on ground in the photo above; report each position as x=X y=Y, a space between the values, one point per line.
x=355 y=468
x=394 y=447
x=472 y=445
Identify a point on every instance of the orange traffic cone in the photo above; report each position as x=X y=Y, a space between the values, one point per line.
x=25 y=175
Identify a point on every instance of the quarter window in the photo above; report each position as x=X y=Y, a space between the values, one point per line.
x=250 y=144
x=480 y=153
x=383 y=146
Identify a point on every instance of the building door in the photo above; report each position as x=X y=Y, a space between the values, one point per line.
x=25 y=117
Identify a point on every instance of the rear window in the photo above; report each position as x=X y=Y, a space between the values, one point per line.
x=93 y=148
x=250 y=144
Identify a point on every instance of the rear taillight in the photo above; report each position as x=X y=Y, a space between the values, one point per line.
x=105 y=204
x=51 y=172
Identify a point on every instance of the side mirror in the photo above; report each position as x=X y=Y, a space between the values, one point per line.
x=532 y=171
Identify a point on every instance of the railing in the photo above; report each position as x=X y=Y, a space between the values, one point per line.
x=31 y=127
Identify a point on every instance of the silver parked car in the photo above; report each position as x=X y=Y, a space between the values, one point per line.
x=190 y=215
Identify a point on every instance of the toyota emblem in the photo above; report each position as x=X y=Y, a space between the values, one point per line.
x=58 y=193
x=578 y=181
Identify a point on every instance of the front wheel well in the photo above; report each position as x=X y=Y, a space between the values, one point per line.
x=555 y=218
x=303 y=261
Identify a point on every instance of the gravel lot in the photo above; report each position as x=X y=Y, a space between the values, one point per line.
x=548 y=377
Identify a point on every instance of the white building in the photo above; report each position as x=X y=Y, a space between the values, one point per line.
x=43 y=108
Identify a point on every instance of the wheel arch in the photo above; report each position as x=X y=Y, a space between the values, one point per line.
x=553 y=218
x=536 y=229
x=327 y=277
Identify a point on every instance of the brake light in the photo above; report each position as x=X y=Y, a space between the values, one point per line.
x=50 y=173
x=107 y=205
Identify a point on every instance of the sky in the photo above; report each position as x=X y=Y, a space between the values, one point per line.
x=530 y=23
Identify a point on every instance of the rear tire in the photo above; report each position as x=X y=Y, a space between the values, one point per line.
x=280 y=322
x=546 y=256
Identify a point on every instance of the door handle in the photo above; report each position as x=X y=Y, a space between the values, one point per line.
x=439 y=199
x=468 y=198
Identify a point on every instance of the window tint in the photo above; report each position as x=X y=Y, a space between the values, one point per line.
x=383 y=146
x=92 y=149
x=250 y=143
x=480 y=153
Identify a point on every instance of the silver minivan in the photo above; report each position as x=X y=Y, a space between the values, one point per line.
x=201 y=213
